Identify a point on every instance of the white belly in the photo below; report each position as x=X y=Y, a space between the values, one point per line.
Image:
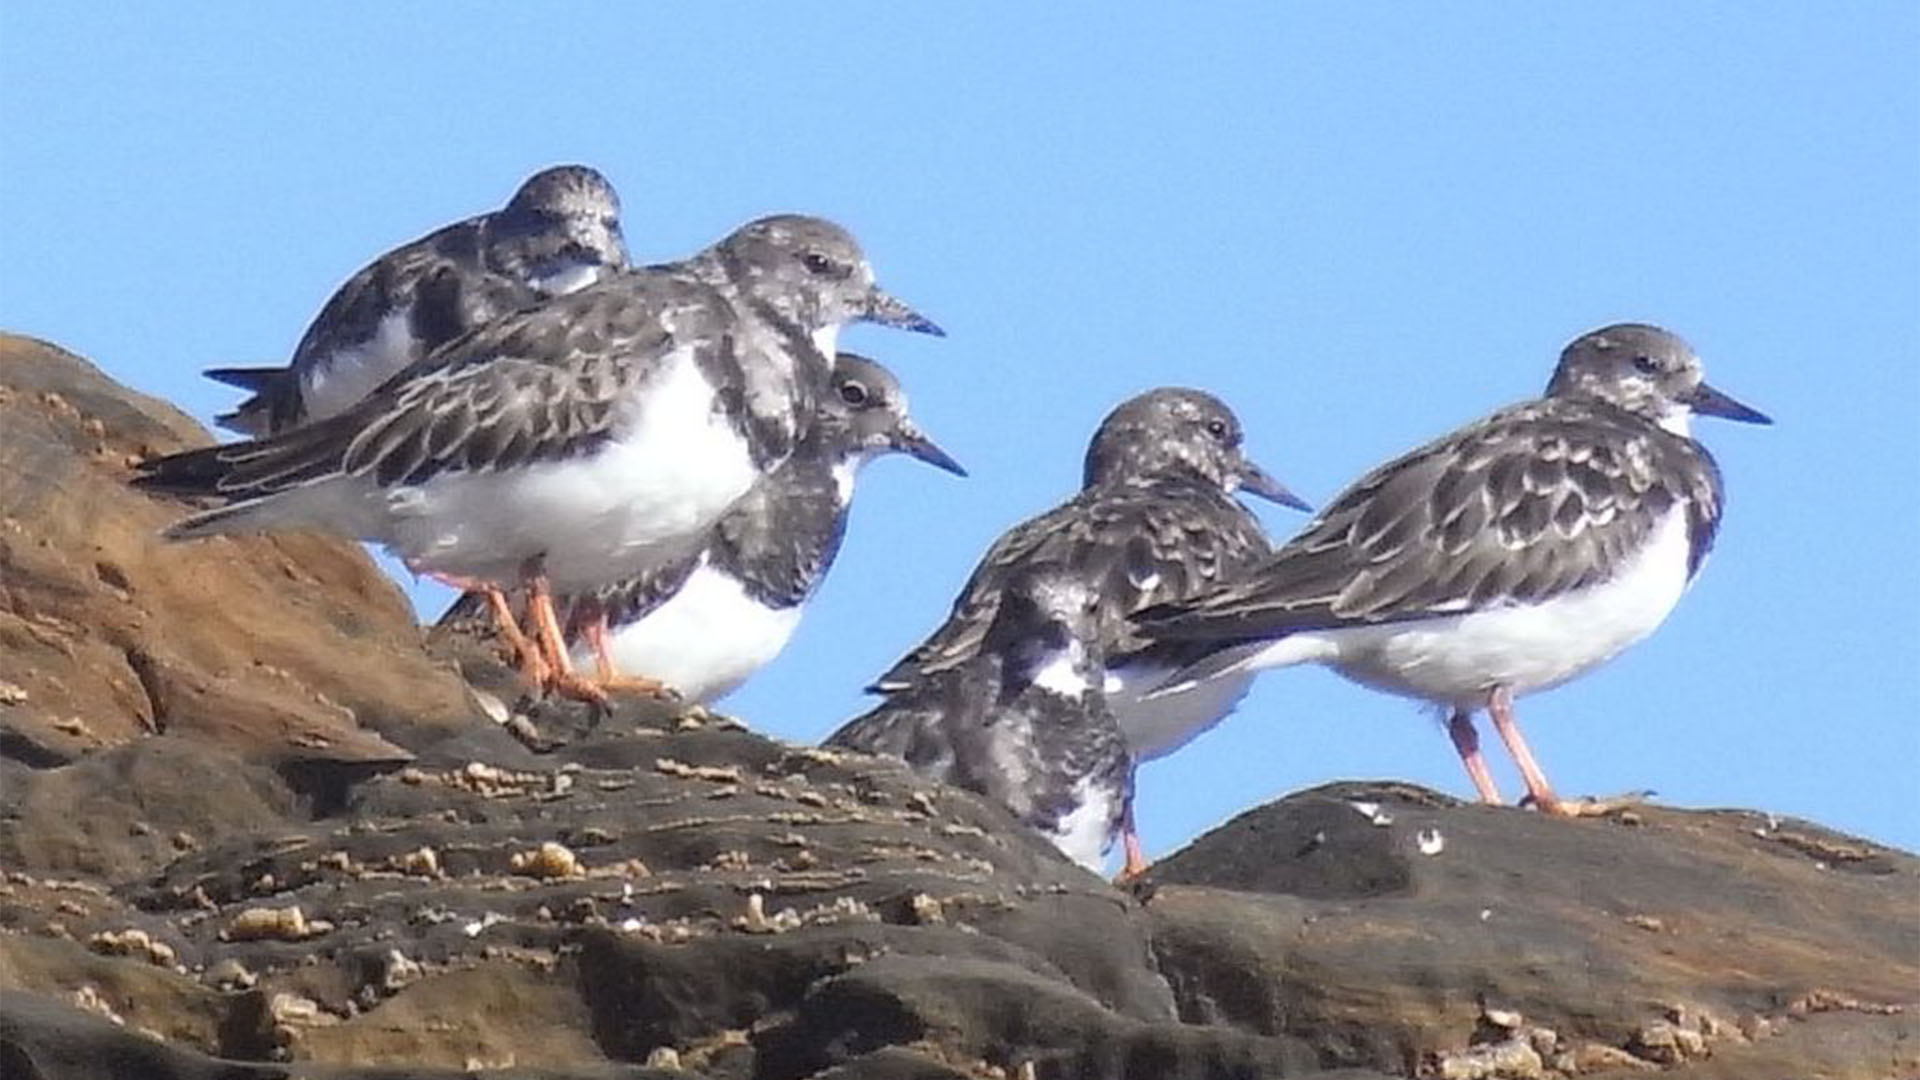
x=705 y=641
x=1157 y=726
x=1086 y=832
x=336 y=382
x=628 y=507
x=1455 y=660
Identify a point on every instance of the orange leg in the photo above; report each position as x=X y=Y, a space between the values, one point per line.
x=1136 y=864
x=1500 y=708
x=1466 y=741
x=522 y=651
x=561 y=679
x=610 y=678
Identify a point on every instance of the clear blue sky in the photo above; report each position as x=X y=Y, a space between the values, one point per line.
x=1361 y=224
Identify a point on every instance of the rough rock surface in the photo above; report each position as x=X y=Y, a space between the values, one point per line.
x=284 y=649
x=1390 y=925
x=251 y=826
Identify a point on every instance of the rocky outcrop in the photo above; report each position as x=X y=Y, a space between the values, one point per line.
x=1391 y=925
x=286 y=649
x=300 y=845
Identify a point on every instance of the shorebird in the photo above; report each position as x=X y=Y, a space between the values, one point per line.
x=1505 y=558
x=1022 y=720
x=706 y=622
x=560 y=232
x=1154 y=521
x=592 y=438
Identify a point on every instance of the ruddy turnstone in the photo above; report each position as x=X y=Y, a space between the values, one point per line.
x=1022 y=719
x=560 y=232
x=592 y=438
x=706 y=622
x=1502 y=559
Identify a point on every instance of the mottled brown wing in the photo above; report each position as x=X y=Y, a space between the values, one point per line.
x=540 y=384
x=1139 y=545
x=1533 y=502
x=357 y=306
x=925 y=724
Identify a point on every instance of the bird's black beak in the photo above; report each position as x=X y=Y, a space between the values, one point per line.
x=909 y=439
x=1260 y=482
x=888 y=310
x=1707 y=401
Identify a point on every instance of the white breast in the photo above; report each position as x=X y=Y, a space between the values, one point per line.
x=845 y=474
x=335 y=382
x=1062 y=673
x=704 y=641
x=827 y=340
x=1457 y=659
x=675 y=467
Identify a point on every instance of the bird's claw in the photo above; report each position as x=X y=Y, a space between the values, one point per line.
x=575 y=687
x=639 y=686
x=1588 y=805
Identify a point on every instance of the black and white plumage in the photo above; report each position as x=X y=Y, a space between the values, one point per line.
x=600 y=433
x=1155 y=521
x=1022 y=720
x=704 y=623
x=1504 y=558
x=560 y=232
x=592 y=438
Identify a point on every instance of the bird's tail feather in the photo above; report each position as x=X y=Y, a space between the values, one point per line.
x=189 y=472
x=220 y=521
x=274 y=391
x=467 y=607
x=254 y=380
x=252 y=419
x=244 y=470
x=1228 y=661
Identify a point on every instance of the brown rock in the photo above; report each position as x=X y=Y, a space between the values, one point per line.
x=1308 y=917
x=282 y=648
x=130 y=800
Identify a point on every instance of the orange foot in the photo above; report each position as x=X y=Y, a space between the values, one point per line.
x=638 y=685
x=610 y=678
x=574 y=686
x=1589 y=806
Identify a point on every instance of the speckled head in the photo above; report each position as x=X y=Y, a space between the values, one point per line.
x=573 y=200
x=1048 y=614
x=813 y=272
x=867 y=415
x=566 y=191
x=1646 y=371
x=1173 y=431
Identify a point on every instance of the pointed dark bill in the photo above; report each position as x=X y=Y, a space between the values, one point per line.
x=888 y=310
x=1259 y=481
x=1710 y=402
x=911 y=440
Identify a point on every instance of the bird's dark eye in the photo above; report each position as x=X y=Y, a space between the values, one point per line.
x=1217 y=428
x=853 y=394
x=1646 y=365
x=817 y=263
